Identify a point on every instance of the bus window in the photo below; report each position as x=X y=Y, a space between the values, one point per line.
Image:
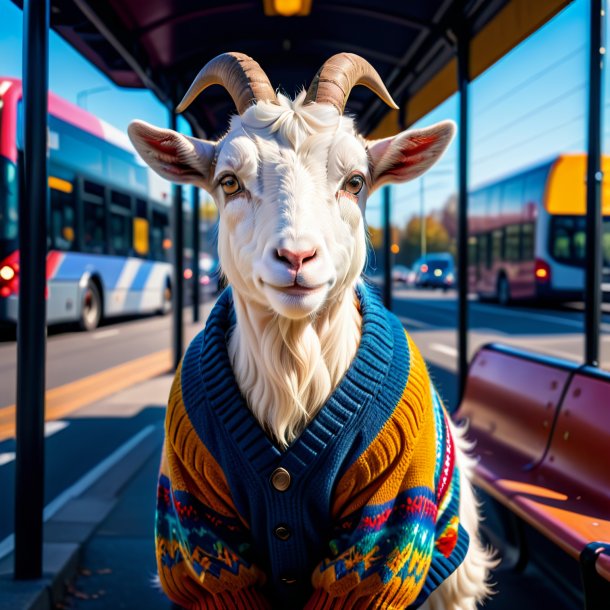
x=497 y=246
x=533 y=193
x=567 y=239
x=483 y=250
x=94 y=219
x=62 y=227
x=75 y=148
x=512 y=199
x=159 y=232
x=121 y=230
x=527 y=241
x=512 y=243
x=123 y=170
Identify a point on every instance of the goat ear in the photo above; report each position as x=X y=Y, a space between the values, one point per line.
x=409 y=154
x=172 y=155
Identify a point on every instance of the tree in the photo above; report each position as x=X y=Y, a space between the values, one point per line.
x=437 y=238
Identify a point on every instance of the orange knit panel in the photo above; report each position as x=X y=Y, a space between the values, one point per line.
x=190 y=465
x=379 y=474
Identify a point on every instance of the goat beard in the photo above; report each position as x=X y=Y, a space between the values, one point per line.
x=287 y=369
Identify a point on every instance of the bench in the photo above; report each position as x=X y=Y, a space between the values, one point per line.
x=542 y=429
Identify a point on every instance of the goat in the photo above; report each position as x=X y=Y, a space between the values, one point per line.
x=308 y=461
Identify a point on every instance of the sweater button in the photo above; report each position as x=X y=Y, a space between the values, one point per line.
x=281 y=479
x=282 y=532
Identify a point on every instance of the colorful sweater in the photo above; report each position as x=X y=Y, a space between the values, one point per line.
x=359 y=512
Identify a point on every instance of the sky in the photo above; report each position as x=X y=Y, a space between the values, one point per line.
x=526 y=108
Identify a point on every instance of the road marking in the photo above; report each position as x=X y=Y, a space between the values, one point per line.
x=8 y=544
x=444 y=349
x=68 y=398
x=104 y=334
x=53 y=427
x=50 y=428
x=6 y=458
x=536 y=316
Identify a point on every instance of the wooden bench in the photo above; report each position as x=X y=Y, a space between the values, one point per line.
x=542 y=428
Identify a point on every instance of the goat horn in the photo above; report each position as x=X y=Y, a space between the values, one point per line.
x=239 y=74
x=339 y=75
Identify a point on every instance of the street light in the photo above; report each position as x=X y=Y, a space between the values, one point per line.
x=81 y=96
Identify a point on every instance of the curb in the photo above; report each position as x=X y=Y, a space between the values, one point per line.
x=72 y=524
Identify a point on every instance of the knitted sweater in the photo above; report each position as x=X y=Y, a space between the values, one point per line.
x=359 y=512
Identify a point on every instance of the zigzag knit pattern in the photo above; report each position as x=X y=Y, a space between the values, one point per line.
x=369 y=518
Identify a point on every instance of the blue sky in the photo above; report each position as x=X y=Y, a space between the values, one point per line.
x=528 y=107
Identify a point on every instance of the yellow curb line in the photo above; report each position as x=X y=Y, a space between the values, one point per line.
x=68 y=398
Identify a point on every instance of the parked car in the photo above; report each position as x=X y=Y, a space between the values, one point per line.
x=400 y=274
x=435 y=270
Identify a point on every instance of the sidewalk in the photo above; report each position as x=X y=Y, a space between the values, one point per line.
x=103 y=535
x=99 y=534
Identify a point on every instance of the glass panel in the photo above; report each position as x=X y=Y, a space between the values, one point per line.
x=159 y=236
x=62 y=219
x=121 y=233
x=528 y=117
x=94 y=228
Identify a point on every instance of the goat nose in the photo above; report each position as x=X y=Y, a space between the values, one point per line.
x=295 y=260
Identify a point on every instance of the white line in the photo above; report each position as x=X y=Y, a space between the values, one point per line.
x=50 y=428
x=53 y=427
x=7 y=545
x=103 y=334
x=444 y=349
x=414 y=323
x=5 y=458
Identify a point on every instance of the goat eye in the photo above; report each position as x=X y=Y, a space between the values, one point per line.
x=354 y=184
x=230 y=185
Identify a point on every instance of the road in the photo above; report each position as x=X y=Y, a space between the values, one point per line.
x=121 y=353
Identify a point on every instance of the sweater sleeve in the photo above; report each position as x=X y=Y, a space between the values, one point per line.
x=202 y=544
x=386 y=512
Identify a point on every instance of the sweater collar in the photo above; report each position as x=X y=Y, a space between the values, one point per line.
x=354 y=393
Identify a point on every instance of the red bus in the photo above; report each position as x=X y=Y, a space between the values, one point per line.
x=527 y=233
x=108 y=222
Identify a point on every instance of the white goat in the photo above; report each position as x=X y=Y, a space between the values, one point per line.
x=290 y=179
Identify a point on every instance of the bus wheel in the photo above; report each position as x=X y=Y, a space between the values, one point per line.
x=503 y=291
x=91 y=307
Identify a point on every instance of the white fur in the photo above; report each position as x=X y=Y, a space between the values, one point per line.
x=289 y=351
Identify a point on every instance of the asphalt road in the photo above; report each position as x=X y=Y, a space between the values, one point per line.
x=77 y=443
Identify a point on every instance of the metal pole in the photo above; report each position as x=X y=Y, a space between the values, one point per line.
x=594 y=184
x=196 y=247
x=178 y=282
x=462 y=211
x=31 y=331
x=422 y=216
x=387 y=254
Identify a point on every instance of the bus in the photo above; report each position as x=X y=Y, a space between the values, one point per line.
x=527 y=233
x=108 y=218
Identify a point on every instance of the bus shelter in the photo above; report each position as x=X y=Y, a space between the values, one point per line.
x=424 y=53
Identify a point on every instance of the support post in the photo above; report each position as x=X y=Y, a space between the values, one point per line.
x=593 y=273
x=178 y=278
x=463 y=50
x=387 y=253
x=422 y=216
x=196 y=248
x=31 y=330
